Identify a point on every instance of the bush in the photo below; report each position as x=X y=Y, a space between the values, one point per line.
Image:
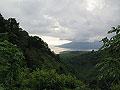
x=49 y=80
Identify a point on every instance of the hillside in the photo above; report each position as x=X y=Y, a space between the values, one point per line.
x=36 y=51
x=84 y=63
x=27 y=63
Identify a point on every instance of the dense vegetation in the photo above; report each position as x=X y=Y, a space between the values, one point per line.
x=84 y=64
x=100 y=69
x=27 y=63
x=82 y=61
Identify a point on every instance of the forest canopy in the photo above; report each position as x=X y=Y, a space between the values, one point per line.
x=27 y=63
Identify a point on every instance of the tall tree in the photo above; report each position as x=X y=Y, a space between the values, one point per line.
x=110 y=67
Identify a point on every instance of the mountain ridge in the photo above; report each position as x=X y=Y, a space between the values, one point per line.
x=82 y=45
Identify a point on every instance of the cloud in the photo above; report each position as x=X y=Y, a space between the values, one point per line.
x=52 y=41
x=74 y=20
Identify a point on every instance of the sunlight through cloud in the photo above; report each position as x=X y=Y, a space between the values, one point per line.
x=52 y=40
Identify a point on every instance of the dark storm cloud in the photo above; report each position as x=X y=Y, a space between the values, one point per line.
x=74 y=20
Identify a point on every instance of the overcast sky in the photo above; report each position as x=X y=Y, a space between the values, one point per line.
x=62 y=21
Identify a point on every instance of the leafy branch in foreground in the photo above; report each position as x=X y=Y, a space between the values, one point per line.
x=110 y=67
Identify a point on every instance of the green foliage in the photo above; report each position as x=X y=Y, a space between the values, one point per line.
x=36 y=67
x=115 y=87
x=10 y=63
x=112 y=45
x=109 y=72
x=110 y=67
x=49 y=80
x=82 y=62
x=36 y=52
x=3 y=36
x=2 y=87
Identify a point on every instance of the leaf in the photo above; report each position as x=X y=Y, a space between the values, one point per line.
x=4 y=68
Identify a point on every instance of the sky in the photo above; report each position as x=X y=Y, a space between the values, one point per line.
x=62 y=21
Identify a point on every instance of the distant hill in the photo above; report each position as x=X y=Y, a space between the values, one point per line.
x=82 y=45
x=84 y=64
x=74 y=52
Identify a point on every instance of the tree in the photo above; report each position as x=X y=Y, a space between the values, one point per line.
x=10 y=64
x=112 y=45
x=49 y=80
x=110 y=67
